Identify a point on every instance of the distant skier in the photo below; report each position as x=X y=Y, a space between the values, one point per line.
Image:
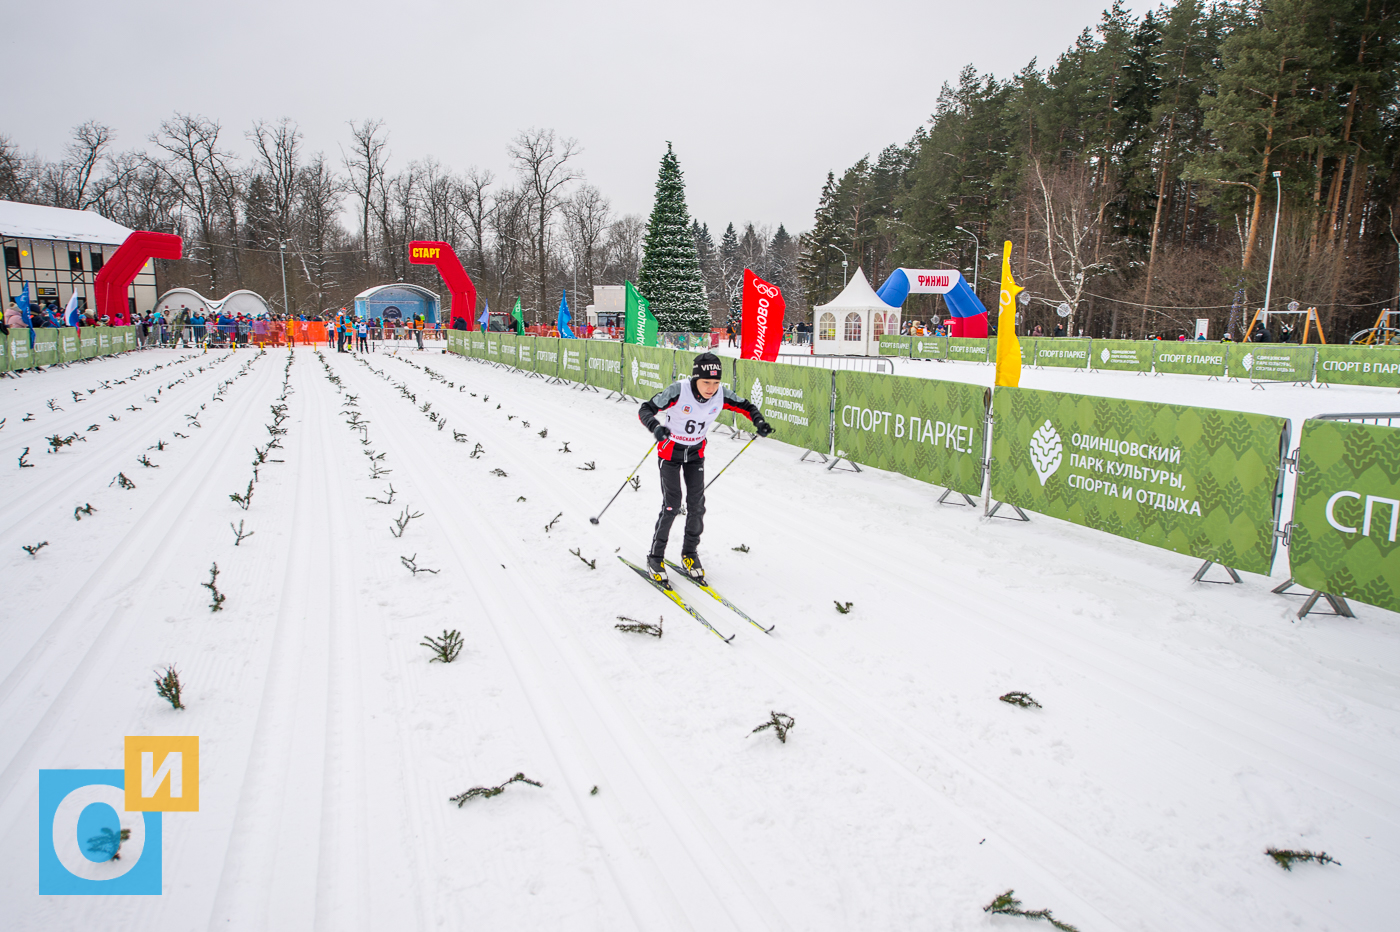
x=690 y=406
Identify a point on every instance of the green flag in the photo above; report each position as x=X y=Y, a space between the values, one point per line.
x=641 y=326
x=516 y=316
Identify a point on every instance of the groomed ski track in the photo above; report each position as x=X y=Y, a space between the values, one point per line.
x=1185 y=729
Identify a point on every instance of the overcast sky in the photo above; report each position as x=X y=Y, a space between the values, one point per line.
x=760 y=98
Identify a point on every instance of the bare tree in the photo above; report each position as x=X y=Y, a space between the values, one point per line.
x=365 y=162
x=586 y=217
x=437 y=196
x=318 y=193
x=396 y=209
x=68 y=183
x=510 y=241
x=194 y=167
x=624 y=247
x=476 y=209
x=542 y=161
x=137 y=193
x=18 y=173
x=278 y=148
x=1069 y=210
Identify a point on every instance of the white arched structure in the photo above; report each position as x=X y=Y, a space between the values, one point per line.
x=852 y=324
x=248 y=303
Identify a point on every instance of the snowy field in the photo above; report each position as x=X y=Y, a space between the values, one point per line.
x=1185 y=727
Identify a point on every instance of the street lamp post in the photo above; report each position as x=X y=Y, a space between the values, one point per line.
x=282 y=254
x=976 y=257
x=1269 y=287
x=843 y=263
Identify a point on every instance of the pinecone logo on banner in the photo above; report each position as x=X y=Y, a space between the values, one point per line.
x=756 y=394
x=1046 y=451
x=1105 y=354
x=1248 y=362
x=635 y=369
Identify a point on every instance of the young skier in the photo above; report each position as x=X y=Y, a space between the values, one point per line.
x=690 y=406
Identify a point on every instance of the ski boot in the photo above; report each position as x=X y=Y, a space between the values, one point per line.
x=656 y=566
x=691 y=564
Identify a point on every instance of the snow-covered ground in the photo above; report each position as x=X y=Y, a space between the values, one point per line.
x=1185 y=727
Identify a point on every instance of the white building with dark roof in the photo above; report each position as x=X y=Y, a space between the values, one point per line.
x=58 y=251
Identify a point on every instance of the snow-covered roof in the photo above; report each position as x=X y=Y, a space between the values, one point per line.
x=35 y=221
x=857 y=296
x=371 y=292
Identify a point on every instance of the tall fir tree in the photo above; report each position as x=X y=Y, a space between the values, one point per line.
x=732 y=268
x=818 y=257
x=670 y=274
x=709 y=261
x=782 y=261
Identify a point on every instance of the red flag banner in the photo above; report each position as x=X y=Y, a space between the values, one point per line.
x=762 y=321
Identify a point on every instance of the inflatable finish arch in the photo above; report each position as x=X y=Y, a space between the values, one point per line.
x=968 y=317
x=120 y=271
x=459 y=284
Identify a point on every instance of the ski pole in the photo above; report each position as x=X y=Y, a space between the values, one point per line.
x=731 y=462
x=624 y=484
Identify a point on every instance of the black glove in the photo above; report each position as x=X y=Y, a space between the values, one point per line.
x=661 y=433
x=762 y=427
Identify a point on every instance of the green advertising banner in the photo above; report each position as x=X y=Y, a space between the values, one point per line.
x=928 y=347
x=45 y=349
x=573 y=356
x=68 y=344
x=525 y=352
x=1061 y=352
x=476 y=344
x=4 y=353
x=87 y=343
x=926 y=429
x=1271 y=362
x=547 y=356
x=1122 y=355
x=454 y=342
x=1359 y=365
x=968 y=349
x=128 y=339
x=508 y=342
x=894 y=345
x=1187 y=358
x=1197 y=481
x=104 y=341
x=646 y=370
x=493 y=346
x=796 y=400
x=1027 y=345
x=19 y=355
x=1346 y=512
x=604 y=364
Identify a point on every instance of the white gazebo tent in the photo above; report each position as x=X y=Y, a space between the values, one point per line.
x=854 y=321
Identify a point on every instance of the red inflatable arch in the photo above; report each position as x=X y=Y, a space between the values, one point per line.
x=119 y=272
x=459 y=284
